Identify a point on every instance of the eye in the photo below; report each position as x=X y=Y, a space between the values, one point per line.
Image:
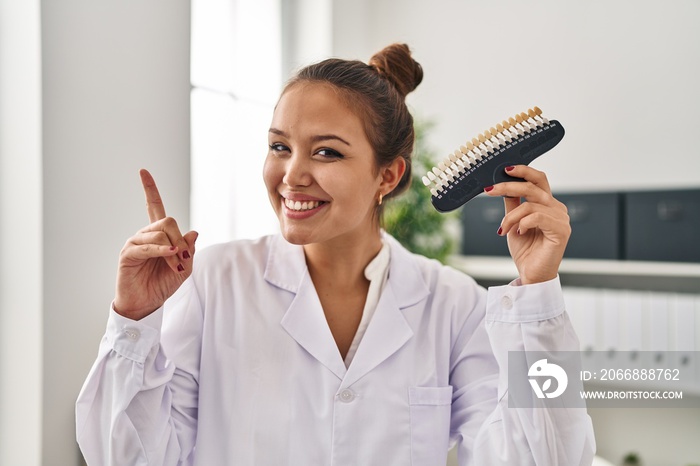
x=277 y=147
x=328 y=153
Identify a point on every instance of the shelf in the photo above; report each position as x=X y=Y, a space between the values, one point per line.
x=641 y=275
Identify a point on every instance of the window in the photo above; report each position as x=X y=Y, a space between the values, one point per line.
x=236 y=78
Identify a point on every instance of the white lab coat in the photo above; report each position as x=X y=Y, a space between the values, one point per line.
x=246 y=370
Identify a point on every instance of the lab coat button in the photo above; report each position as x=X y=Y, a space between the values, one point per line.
x=132 y=334
x=346 y=395
x=507 y=302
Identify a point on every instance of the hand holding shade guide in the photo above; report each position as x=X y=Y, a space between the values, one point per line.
x=481 y=162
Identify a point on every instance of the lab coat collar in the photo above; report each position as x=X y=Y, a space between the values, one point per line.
x=286 y=266
x=388 y=330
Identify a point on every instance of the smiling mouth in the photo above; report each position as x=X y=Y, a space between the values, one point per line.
x=301 y=206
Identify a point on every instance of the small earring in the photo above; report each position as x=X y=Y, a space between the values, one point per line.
x=380 y=198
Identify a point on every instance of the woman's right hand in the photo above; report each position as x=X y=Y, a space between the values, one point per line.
x=154 y=262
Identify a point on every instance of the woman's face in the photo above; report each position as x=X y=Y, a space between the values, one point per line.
x=320 y=169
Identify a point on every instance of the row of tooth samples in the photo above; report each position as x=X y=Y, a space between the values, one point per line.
x=468 y=155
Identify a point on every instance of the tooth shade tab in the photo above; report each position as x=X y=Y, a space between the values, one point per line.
x=522 y=119
x=519 y=123
x=477 y=145
x=530 y=121
x=496 y=137
x=539 y=116
x=533 y=117
x=478 y=155
x=504 y=133
x=489 y=145
x=514 y=124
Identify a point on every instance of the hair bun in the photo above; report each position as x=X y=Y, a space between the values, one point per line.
x=396 y=64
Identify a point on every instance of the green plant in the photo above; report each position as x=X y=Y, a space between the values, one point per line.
x=411 y=218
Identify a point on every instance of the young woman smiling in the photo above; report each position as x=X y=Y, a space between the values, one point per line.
x=330 y=344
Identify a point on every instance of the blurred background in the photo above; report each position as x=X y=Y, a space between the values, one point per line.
x=90 y=92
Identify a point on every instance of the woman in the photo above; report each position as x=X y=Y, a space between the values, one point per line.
x=330 y=343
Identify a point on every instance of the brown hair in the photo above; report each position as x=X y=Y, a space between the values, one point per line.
x=377 y=92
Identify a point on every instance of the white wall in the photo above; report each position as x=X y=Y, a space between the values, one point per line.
x=20 y=233
x=114 y=97
x=307 y=33
x=620 y=76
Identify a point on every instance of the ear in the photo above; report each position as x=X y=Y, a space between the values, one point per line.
x=391 y=174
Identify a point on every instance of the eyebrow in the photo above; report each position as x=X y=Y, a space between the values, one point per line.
x=317 y=138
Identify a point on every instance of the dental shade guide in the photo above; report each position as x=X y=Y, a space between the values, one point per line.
x=481 y=162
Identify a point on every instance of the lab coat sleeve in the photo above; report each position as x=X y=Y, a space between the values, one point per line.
x=138 y=405
x=488 y=432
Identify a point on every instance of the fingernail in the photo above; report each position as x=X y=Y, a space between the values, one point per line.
x=180 y=268
x=172 y=248
x=488 y=188
x=510 y=168
x=186 y=255
x=518 y=231
x=500 y=230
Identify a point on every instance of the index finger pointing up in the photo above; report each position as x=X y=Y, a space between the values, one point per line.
x=154 y=204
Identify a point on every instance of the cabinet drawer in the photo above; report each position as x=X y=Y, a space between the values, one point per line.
x=663 y=226
x=481 y=218
x=595 y=225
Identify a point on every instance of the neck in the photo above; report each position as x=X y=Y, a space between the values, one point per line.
x=342 y=262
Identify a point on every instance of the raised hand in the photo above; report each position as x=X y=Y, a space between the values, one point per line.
x=154 y=262
x=538 y=230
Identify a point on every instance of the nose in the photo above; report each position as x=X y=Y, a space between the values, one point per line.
x=297 y=171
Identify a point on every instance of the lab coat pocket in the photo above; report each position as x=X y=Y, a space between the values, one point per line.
x=430 y=409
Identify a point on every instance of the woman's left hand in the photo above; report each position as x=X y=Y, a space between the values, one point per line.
x=538 y=229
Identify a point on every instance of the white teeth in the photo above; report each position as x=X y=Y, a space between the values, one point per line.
x=299 y=206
